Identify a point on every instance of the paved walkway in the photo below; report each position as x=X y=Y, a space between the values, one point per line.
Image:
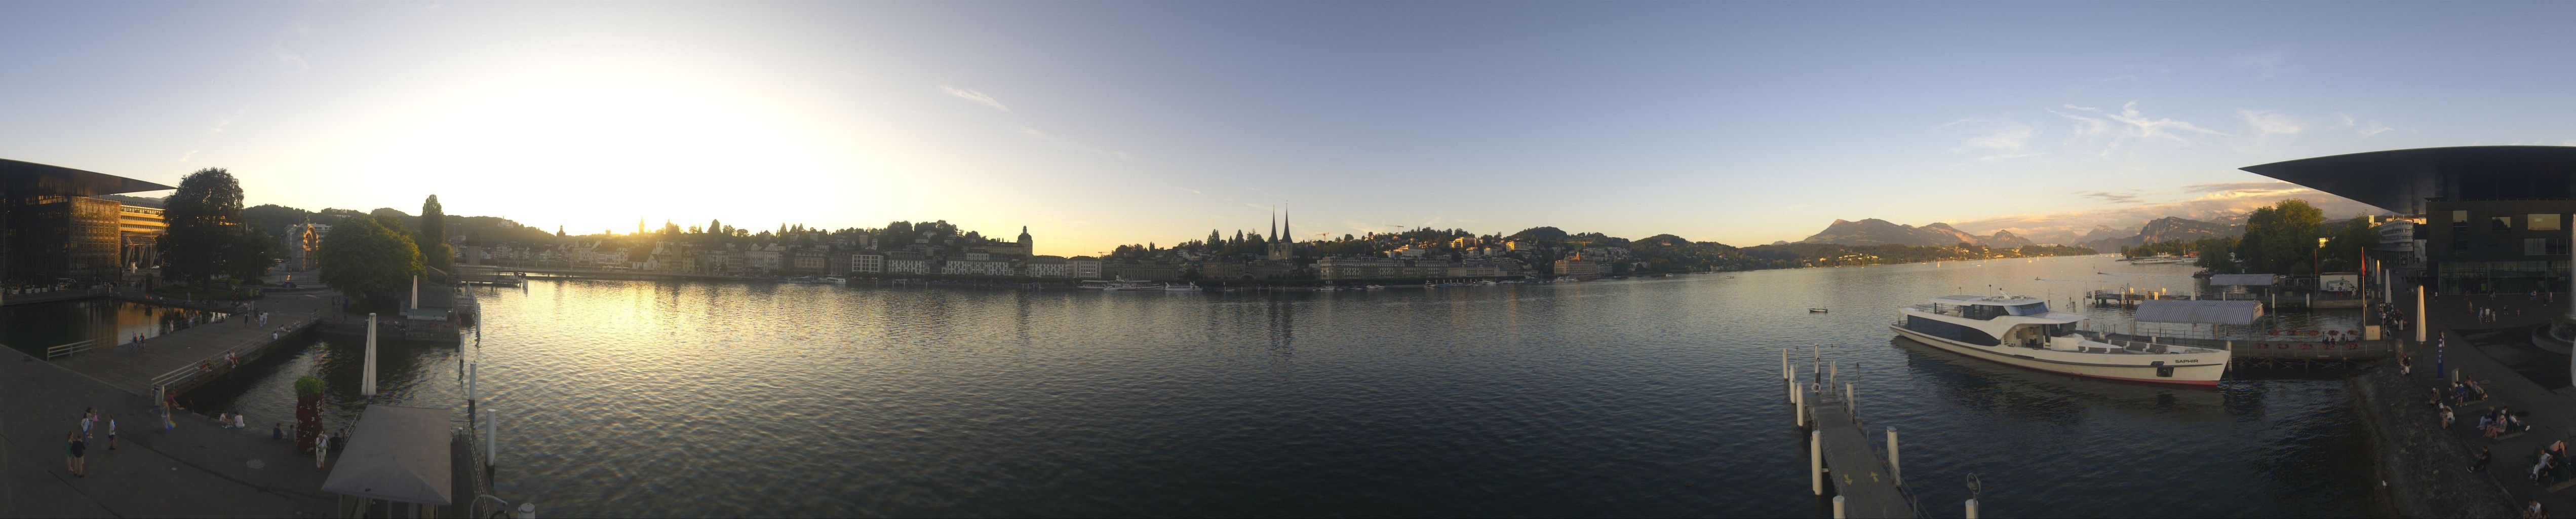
x=130 y=369
x=198 y=469
x=2472 y=349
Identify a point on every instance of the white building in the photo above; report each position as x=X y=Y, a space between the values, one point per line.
x=975 y=267
x=907 y=263
x=870 y=262
x=1048 y=267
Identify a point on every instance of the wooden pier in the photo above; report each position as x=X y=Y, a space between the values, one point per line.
x=1842 y=462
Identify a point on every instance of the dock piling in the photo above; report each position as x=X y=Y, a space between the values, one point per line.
x=1972 y=509
x=1838 y=507
x=1894 y=470
x=367 y=374
x=1816 y=461
x=1797 y=407
x=491 y=438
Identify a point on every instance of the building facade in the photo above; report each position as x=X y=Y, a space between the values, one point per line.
x=870 y=262
x=2494 y=218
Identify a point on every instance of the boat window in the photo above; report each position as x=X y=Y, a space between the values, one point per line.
x=2028 y=309
x=1980 y=312
x=2057 y=330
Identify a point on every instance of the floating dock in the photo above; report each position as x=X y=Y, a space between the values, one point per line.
x=1843 y=468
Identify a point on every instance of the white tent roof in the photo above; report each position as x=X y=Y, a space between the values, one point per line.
x=397 y=454
x=2198 y=312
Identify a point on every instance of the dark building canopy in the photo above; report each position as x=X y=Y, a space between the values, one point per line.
x=2400 y=180
x=20 y=178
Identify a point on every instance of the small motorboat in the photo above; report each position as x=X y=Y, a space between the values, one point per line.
x=1817 y=310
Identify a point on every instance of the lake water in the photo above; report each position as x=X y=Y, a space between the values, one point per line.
x=1656 y=397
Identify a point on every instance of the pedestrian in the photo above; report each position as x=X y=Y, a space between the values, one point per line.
x=321 y=449
x=2483 y=458
x=73 y=462
x=277 y=431
x=111 y=433
x=88 y=417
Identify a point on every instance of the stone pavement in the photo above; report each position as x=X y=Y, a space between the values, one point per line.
x=2473 y=349
x=198 y=469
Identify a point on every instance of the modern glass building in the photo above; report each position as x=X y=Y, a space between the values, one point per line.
x=2496 y=218
x=52 y=228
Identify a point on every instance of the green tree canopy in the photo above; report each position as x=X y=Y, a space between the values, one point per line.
x=203 y=218
x=433 y=234
x=252 y=253
x=364 y=258
x=2281 y=239
x=2345 y=242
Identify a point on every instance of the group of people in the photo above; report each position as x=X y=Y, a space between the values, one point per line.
x=90 y=423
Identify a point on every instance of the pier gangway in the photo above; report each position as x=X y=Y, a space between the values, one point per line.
x=1841 y=462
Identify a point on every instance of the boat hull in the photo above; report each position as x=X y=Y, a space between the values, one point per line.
x=2195 y=375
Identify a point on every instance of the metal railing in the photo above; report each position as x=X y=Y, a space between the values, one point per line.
x=68 y=349
x=191 y=372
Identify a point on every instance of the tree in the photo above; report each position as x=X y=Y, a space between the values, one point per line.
x=364 y=258
x=2281 y=239
x=203 y=218
x=252 y=253
x=433 y=234
x=2345 y=243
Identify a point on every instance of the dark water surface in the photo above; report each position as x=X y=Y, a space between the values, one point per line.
x=32 y=328
x=1657 y=397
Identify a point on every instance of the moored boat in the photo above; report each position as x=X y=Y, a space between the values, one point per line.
x=2021 y=331
x=1184 y=287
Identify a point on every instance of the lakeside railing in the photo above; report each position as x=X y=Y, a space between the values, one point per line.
x=193 y=372
x=68 y=349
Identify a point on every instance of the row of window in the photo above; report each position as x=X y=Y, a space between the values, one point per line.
x=2531 y=222
x=2530 y=246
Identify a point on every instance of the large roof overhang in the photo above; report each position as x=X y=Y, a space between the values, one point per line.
x=2400 y=180
x=21 y=178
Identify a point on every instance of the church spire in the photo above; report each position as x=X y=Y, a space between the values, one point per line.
x=1274 y=223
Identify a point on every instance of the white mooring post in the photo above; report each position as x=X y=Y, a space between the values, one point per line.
x=1850 y=405
x=527 y=511
x=367 y=373
x=1816 y=461
x=1972 y=509
x=1798 y=407
x=1838 y=507
x=469 y=381
x=491 y=437
x=1894 y=470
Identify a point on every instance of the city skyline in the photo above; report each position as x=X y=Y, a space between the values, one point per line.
x=1107 y=124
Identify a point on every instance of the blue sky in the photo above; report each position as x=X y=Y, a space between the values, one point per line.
x=1105 y=123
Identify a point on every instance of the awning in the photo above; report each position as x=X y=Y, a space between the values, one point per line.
x=2250 y=280
x=2198 y=312
x=397 y=454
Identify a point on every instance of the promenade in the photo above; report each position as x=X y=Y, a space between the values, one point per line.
x=2516 y=375
x=198 y=469
x=195 y=469
x=127 y=368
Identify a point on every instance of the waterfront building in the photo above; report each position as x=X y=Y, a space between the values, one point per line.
x=2492 y=217
x=1578 y=267
x=976 y=267
x=837 y=264
x=907 y=262
x=1028 y=246
x=1343 y=269
x=764 y=259
x=1082 y=267
x=1154 y=271
x=979 y=256
x=1475 y=271
x=868 y=262
x=1048 y=267
x=139 y=230
x=1223 y=270
x=52 y=227
x=809 y=260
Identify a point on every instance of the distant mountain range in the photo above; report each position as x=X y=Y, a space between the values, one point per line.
x=2102 y=238
x=1874 y=231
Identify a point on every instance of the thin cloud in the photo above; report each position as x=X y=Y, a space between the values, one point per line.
x=978 y=97
x=2267 y=65
x=2270 y=122
x=2115 y=130
x=2130 y=197
x=1995 y=140
x=190 y=155
x=2372 y=128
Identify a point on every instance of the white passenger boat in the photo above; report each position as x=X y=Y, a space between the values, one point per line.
x=2021 y=331
x=1118 y=285
x=1184 y=287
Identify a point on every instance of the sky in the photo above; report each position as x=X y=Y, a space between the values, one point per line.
x=1101 y=123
